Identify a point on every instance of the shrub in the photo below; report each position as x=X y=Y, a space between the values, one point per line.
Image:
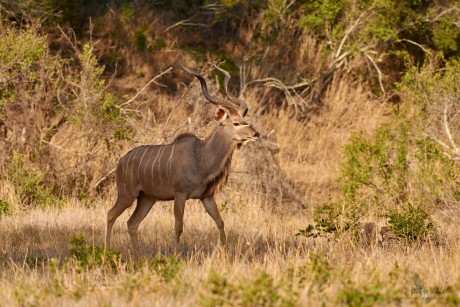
x=220 y=291
x=261 y=291
x=88 y=256
x=264 y=291
x=30 y=184
x=166 y=268
x=413 y=224
x=317 y=271
x=332 y=219
x=20 y=50
x=374 y=171
x=376 y=167
x=367 y=295
x=5 y=208
x=24 y=58
x=140 y=38
x=128 y=11
x=321 y=268
x=435 y=95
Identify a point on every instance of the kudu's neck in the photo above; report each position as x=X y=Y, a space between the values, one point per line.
x=217 y=150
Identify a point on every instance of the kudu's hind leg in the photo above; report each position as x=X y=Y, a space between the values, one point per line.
x=211 y=207
x=123 y=202
x=179 y=207
x=144 y=204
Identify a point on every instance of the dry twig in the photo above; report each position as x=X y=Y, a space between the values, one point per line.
x=145 y=86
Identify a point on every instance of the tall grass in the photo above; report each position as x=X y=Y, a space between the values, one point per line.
x=262 y=256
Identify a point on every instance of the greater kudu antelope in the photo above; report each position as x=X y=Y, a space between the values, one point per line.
x=188 y=168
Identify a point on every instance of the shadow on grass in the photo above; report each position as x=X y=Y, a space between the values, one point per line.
x=45 y=242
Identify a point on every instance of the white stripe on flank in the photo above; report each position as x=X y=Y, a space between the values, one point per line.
x=159 y=164
x=125 y=164
x=146 y=165
x=132 y=171
x=140 y=162
x=126 y=169
x=168 y=164
x=123 y=179
x=130 y=157
x=154 y=161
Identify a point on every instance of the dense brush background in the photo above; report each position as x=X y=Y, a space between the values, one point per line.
x=352 y=196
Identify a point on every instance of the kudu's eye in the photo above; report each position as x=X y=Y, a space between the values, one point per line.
x=236 y=124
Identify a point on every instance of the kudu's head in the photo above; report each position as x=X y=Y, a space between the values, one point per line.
x=230 y=113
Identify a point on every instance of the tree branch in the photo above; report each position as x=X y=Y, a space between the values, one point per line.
x=145 y=86
x=379 y=72
x=454 y=148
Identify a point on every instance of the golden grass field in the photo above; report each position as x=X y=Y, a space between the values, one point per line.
x=263 y=264
x=298 y=271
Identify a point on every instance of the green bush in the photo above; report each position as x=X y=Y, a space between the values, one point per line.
x=374 y=173
x=128 y=11
x=85 y=255
x=5 y=208
x=20 y=50
x=436 y=176
x=317 y=271
x=413 y=224
x=375 y=169
x=320 y=267
x=332 y=219
x=30 y=184
x=261 y=291
x=166 y=268
x=93 y=108
x=140 y=38
x=367 y=295
x=264 y=291
x=23 y=59
x=220 y=291
x=446 y=35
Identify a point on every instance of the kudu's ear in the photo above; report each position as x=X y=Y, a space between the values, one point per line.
x=221 y=114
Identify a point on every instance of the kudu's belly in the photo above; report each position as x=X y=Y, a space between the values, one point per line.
x=167 y=192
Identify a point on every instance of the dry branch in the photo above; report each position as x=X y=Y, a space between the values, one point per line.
x=102 y=179
x=145 y=86
x=185 y=22
x=379 y=72
x=286 y=89
x=415 y=44
x=347 y=34
x=454 y=147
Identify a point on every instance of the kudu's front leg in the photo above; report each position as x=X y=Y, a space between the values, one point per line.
x=211 y=207
x=179 y=207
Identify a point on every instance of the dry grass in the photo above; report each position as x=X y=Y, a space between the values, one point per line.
x=259 y=241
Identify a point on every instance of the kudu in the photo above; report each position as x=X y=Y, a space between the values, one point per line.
x=188 y=168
